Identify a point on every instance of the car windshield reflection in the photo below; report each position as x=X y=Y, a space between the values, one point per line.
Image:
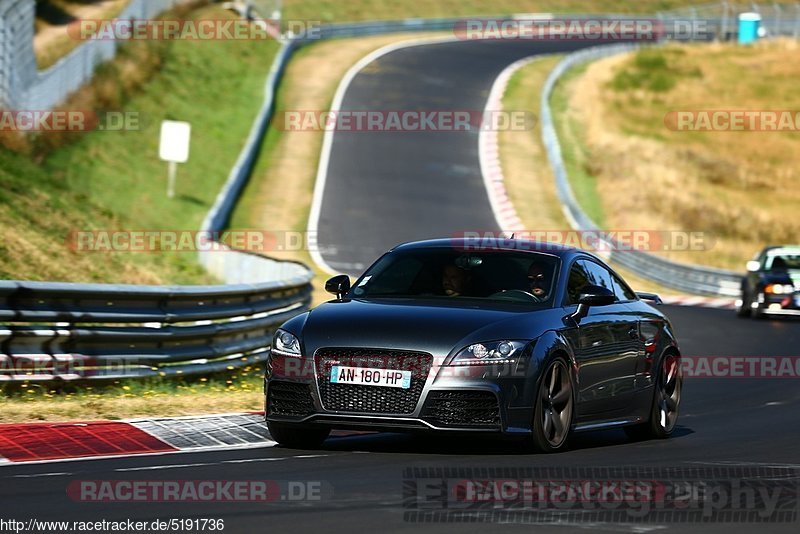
x=445 y=273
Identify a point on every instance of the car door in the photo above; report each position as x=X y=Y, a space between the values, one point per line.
x=605 y=345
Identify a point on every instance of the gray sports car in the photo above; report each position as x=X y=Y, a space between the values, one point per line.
x=511 y=337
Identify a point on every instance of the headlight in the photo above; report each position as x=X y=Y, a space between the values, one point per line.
x=779 y=289
x=285 y=344
x=487 y=353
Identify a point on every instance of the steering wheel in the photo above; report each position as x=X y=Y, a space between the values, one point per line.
x=515 y=294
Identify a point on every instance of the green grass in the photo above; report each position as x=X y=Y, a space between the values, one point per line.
x=218 y=88
x=115 y=180
x=233 y=391
x=576 y=154
x=656 y=70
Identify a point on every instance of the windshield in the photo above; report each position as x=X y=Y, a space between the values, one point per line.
x=448 y=273
x=784 y=261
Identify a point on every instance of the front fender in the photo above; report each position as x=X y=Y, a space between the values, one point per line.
x=550 y=345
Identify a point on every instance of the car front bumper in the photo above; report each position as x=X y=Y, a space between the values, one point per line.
x=480 y=399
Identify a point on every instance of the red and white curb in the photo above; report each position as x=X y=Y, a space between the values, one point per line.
x=44 y=442
x=702 y=302
x=489 y=154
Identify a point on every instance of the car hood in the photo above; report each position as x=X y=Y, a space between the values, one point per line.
x=786 y=277
x=437 y=327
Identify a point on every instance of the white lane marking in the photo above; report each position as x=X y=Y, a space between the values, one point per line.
x=730 y=463
x=159 y=467
x=38 y=475
x=264 y=445
x=327 y=140
x=250 y=460
x=205 y=464
x=594 y=526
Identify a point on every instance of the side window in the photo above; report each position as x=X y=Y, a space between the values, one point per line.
x=578 y=277
x=598 y=275
x=621 y=289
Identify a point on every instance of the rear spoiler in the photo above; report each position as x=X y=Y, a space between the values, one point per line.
x=649 y=296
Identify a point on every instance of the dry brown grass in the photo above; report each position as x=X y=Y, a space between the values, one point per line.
x=739 y=187
x=102 y=407
x=528 y=177
x=52 y=41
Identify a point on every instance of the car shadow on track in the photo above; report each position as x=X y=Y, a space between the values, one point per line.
x=477 y=444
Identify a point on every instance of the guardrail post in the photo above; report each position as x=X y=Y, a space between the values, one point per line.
x=796 y=20
x=724 y=24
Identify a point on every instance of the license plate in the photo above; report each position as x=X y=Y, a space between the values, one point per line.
x=365 y=376
x=797 y=301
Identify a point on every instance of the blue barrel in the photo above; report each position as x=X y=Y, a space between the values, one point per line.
x=749 y=24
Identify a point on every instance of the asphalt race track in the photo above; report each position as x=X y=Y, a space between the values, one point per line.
x=386 y=188
x=724 y=422
x=389 y=187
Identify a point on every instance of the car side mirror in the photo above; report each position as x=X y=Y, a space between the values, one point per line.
x=591 y=296
x=753 y=266
x=338 y=285
x=596 y=296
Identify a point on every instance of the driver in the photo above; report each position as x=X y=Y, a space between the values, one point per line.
x=538 y=280
x=455 y=281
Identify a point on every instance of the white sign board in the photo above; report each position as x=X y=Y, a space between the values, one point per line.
x=174 y=145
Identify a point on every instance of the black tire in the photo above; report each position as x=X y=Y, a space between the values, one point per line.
x=666 y=396
x=744 y=310
x=554 y=408
x=297 y=436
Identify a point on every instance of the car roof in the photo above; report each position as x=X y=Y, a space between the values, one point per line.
x=781 y=249
x=477 y=244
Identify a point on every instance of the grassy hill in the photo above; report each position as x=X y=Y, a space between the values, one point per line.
x=111 y=180
x=637 y=171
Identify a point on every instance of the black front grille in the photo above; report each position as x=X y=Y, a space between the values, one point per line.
x=478 y=409
x=371 y=399
x=289 y=398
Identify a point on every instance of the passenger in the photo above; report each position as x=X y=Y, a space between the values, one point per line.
x=455 y=281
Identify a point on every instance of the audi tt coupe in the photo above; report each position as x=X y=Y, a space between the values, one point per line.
x=510 y=337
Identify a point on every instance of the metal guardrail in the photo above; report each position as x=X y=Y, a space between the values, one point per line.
x=108 y=332
x=776 y=18
x=684 y=277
